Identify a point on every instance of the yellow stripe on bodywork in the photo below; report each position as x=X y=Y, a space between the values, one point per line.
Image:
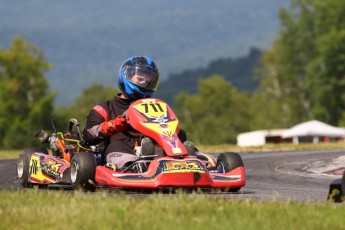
x=35 y=170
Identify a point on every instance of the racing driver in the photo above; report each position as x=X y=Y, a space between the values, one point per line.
x=138 y=78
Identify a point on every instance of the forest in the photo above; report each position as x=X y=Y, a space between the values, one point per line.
x=301 y=77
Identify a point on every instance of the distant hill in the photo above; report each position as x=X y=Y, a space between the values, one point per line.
x=238 y=71
x=87 y=40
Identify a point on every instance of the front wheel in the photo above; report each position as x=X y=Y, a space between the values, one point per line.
x=227 y=162
x=23 y=165
x=83 y=170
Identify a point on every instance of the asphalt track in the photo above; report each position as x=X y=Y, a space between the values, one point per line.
x=301 y=176
x=295 y=175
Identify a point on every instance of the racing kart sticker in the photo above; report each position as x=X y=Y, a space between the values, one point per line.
x=44 y=169
x=161 y=120
x=182 y=166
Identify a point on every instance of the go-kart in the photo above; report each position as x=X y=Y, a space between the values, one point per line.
x=336 y=191
x=72 y=164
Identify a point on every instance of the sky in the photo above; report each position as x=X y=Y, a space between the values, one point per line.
x=87 y=41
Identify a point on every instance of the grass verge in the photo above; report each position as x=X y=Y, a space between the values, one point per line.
x=273 y=147
x=9 y=154
x=37 y=209
x=13 y=154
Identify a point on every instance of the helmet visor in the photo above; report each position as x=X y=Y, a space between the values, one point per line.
x=141 y=77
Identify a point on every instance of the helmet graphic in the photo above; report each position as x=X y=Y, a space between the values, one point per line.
x=138 y=77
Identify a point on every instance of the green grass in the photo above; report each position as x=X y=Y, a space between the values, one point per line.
x=13 y=154
x=37 y=209
x=273 y=147
x=9 y=154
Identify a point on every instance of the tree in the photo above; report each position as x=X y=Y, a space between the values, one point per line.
x=304 y=71
x=80 y=109
x=26 y=104
x=216 y=114
x=277 y=103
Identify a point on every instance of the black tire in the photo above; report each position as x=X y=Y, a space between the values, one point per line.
x=66 y=177
x=336 y=191
x=23 y=165
x=83 y=170
x=227 y=162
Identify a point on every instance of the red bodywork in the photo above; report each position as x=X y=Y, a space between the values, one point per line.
x=174 y=170
x=184 y=173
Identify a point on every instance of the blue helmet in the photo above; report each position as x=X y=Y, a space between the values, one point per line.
x=138 y=77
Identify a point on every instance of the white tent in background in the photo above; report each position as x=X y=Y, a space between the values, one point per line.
x=313 y=129
x=259 y=137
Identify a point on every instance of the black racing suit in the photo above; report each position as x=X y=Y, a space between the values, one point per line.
x=118 y=142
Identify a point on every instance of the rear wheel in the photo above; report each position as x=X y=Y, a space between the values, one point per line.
x=83 y=170
x=23 y=165
x=227 y=162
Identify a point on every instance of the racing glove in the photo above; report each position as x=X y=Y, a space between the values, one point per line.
x=119 y=124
